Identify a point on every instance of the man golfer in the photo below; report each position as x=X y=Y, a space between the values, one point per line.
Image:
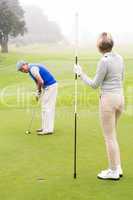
x=109 y=77
x=46 y=90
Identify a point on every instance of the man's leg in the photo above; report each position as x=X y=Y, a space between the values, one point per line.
x=48 y=108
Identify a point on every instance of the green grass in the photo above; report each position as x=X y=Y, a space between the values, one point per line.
x=25 y=159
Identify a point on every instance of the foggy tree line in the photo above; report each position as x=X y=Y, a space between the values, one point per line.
x=40 y=28
x=25 y=25
x=11 y=22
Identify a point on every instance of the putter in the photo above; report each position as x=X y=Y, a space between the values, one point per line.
x=28 y=131
x=75 y=110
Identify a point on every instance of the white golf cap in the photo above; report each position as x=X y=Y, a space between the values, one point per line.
x=20 y=64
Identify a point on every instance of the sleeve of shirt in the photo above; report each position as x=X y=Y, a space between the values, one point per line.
x=35 y=71
x=99 y=77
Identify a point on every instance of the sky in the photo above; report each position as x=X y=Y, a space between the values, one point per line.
x=95 y=16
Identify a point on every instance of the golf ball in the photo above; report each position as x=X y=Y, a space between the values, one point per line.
x=27 y=132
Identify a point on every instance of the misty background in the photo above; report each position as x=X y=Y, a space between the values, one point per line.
x=53 y=22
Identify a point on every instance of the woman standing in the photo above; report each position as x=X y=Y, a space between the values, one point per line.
x=109 y=77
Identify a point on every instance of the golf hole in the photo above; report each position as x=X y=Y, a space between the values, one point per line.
x=40 y=179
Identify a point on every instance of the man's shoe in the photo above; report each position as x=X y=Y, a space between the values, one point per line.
x=44 y=133
x=109 y=175
x=39 y=130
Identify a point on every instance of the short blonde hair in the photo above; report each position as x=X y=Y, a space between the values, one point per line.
x=105 y=42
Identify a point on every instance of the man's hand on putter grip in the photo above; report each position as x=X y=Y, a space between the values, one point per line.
x=77 y=69
x=37 y=95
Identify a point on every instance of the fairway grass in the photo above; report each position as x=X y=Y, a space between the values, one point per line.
x=41 y=167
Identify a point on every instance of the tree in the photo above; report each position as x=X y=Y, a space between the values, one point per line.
x=40 y=28
x=11 y=22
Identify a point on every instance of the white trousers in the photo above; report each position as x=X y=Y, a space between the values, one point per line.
x=111 y=107
x=48 y=101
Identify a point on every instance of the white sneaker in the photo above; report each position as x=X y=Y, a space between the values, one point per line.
x=120 y=171
x=109 y=175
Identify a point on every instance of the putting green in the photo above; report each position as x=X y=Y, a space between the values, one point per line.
x=33 y=167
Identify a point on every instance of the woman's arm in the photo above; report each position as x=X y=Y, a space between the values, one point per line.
x=99 y=77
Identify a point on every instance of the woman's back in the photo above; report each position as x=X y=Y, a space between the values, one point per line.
x=112 y=81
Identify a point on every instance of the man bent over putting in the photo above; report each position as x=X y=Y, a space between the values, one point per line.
x=46 y=90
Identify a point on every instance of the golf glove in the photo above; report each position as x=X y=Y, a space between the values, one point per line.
x=77 y=69
x=37 y=95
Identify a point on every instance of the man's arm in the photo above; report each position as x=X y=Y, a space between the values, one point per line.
x=38 y=79
x=39 y=82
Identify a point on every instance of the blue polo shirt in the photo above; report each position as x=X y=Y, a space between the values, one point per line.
x=46 y=76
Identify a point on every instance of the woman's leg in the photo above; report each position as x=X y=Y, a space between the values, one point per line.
x=109 y=117
x=118 y=159
x=109 y=129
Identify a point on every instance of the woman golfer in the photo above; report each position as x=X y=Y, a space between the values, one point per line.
x=109 y=77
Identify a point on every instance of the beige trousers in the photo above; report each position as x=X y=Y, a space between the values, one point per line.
x=111 y=107
x=48 y=108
